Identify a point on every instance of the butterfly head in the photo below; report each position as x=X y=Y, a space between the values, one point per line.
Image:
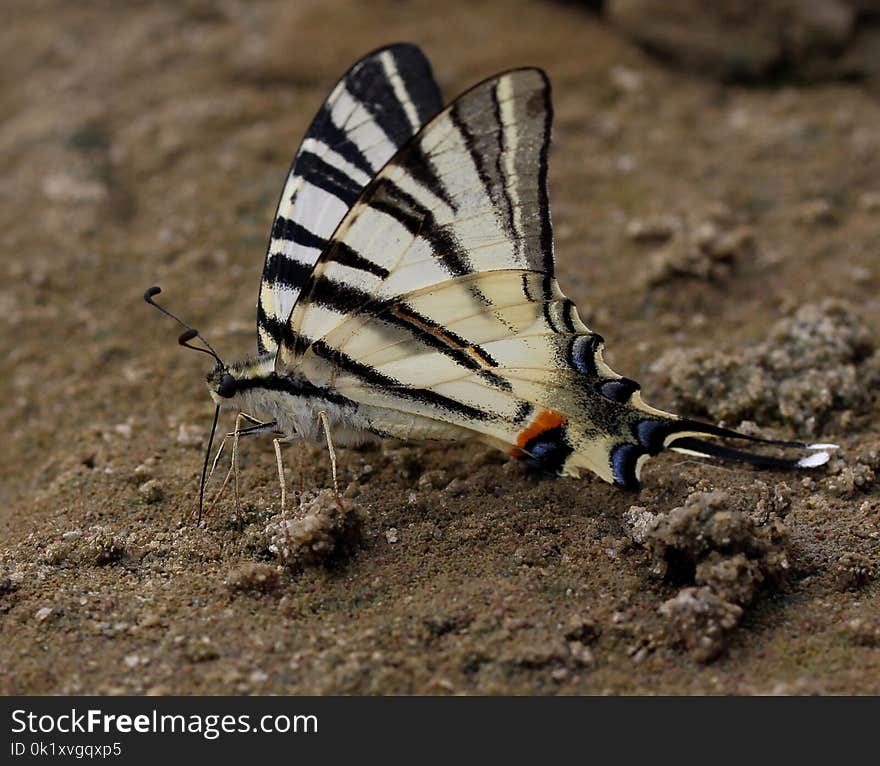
x=222 y=384
x=241 y=385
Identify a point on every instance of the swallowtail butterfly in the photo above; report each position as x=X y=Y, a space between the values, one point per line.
x=409 y=289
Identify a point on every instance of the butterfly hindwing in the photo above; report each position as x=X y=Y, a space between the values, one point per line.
x=375 y=108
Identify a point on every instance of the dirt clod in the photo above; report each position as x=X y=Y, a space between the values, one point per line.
x=654 y=229
x=725 y=550
x=581 y=654
x=701 y=619
x=253 y=576
x=581 y=628
x=809 y=367
x=152 y=490
x=742 y=39
x=104 y=547
x=817 y=212
x=318 y=531
x=863 y=632
x=855 y=570
x=709 y=251
x=734 y=578
x=848 y=479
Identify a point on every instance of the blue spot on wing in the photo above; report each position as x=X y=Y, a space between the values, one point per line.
x=651 y=433
x=619 y=390
x=583 y=352
x=548 y=451
x=624 y=458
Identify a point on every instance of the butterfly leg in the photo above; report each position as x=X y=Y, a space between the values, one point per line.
x=258 y=427
x=234 y=466
x=322 y=416
x=277 y=442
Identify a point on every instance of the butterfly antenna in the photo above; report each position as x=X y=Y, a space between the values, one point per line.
x=205 y=465
x=190 y=332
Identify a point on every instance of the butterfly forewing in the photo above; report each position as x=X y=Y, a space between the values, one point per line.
x=445 y=207
x=377 y=106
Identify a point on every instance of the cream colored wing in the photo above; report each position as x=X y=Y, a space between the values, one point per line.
x=374 y=109
x=435 y=302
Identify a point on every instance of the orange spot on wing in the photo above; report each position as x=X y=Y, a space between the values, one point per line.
x=437 y=332
x=544 y=421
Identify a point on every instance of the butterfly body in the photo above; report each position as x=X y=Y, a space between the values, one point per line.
x=409 y=288
x=288 y=401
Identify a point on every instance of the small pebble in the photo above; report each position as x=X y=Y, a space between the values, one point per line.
x=432 y=480
x=456 y=488
x=152 y=490
x=817 y=212
x=190 y=435
x=581 y=654
x=143 y=471
x=150 y=620
x=253 y=576
x=870 y=202
x=625 y=79
x=655 y=229
x=65 y=188
x=559 y=675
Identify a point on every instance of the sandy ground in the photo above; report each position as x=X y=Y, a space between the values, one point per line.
x=701 y=228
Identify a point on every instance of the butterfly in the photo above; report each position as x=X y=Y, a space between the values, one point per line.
x=409 y=291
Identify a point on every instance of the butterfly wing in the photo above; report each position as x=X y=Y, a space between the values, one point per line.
x=435 y=303
x=374 y=109
x=467 y=196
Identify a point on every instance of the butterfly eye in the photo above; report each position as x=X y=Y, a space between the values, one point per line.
x=227 y=386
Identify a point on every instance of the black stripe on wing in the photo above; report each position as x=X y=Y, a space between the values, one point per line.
x=330 y=179
x=420 y=222
x=543 y=194
x=335 y=138
x=292 y=231
x=421 y=169
x=348 y=256
x=389 y=113
x=394 y=387
x=285 y=272
x=505 y=125
x=341 y=151
x=347 y=299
